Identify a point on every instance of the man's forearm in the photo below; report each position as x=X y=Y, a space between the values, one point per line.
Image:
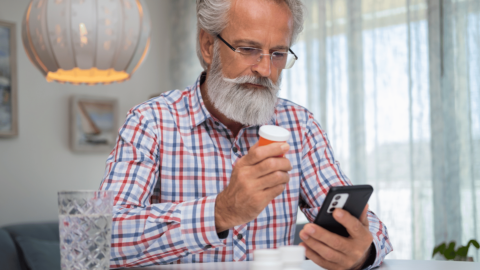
x=174 y=227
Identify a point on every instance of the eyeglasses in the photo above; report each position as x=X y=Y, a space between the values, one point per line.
x=253 y=56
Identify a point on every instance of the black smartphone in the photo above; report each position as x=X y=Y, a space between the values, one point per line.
x=350 y=198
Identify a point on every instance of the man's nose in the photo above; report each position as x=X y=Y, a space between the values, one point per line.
x=263 y=68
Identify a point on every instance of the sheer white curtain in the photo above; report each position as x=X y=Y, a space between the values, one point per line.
x=396 y=85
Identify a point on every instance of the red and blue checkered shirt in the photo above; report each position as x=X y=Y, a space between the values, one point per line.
x=171 y=160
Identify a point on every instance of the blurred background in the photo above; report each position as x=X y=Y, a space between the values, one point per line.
x=394 y=83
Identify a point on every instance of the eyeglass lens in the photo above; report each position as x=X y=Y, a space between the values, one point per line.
x=280 y=60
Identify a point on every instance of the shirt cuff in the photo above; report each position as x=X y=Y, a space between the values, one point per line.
x=371 y=257
x=378 y=258
x=223 y=234
x=198 y=225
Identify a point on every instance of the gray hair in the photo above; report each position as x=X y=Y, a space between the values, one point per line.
x=212 y=17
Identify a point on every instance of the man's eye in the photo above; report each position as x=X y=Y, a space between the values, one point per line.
x=279 y=55
x=247 y=50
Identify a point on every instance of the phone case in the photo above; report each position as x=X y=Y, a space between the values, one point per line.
x=358 y=197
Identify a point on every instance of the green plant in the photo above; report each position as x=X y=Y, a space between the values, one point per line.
x=450 y=253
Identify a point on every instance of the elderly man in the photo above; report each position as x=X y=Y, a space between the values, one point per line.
x=191 y=183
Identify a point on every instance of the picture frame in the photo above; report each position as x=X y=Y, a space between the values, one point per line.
x=93 y=124
x=8 y=80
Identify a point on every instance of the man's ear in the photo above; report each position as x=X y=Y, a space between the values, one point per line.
x=206 y=46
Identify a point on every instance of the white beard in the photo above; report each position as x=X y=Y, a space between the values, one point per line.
x=242 y=104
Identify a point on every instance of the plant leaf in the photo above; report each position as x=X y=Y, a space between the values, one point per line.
x=451 y=246
x=439 y=249
x=474 y=243
x=449 y=253
x=462 y=251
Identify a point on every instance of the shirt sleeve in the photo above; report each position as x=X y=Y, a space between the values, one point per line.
x=320 y=171
x=144 y=233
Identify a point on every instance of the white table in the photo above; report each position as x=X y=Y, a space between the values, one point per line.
x=309 y=265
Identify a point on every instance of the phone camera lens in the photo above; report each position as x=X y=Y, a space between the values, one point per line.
x=334 y=203
x=337 y=198
x=331 y=209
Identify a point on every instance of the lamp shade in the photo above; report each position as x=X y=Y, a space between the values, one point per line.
x=86 y=41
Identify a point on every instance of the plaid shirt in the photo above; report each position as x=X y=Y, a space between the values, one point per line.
x=172 y=158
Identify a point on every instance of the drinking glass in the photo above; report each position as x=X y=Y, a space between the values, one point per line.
x=85 y=229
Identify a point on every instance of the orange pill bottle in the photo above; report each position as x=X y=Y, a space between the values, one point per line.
x=272 y=134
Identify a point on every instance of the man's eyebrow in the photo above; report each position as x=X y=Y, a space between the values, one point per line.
x=280 y=48
x=257 y=44
x=248 y=42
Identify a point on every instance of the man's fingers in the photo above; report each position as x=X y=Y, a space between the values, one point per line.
x=333 y=240
x=257 y=153
x=271 y=165
x=318 y=259
x=364 y=218
x=273 y=179
x=273 y=192
x=323 y=249
x=354 y=227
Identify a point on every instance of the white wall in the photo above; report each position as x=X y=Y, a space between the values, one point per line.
x=38 y=163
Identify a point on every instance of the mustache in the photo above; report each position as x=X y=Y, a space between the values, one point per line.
x=263 y=81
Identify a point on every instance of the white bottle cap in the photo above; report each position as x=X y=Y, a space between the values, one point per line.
x=292 y=254
x=265 y=265
x=274 y=133
x=266 y=255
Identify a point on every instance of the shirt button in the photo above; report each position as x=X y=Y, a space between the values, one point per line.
x=208 y=246
x=239 y=236
x=235 y=150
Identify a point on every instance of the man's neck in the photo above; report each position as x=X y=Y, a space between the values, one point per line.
x=233 y=126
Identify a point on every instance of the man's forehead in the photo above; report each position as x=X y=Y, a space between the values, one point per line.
x=260 y=21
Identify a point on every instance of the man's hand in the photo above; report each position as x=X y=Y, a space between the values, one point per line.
x=257 y=178
x=332 y=251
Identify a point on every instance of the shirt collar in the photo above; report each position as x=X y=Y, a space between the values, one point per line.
x=198 y=111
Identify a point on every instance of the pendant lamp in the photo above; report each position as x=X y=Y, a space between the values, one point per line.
x=86 y=41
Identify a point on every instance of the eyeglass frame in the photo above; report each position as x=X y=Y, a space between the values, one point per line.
x=271 y=54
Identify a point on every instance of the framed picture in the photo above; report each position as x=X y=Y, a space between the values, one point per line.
x=8 y=80
x=93 y=123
